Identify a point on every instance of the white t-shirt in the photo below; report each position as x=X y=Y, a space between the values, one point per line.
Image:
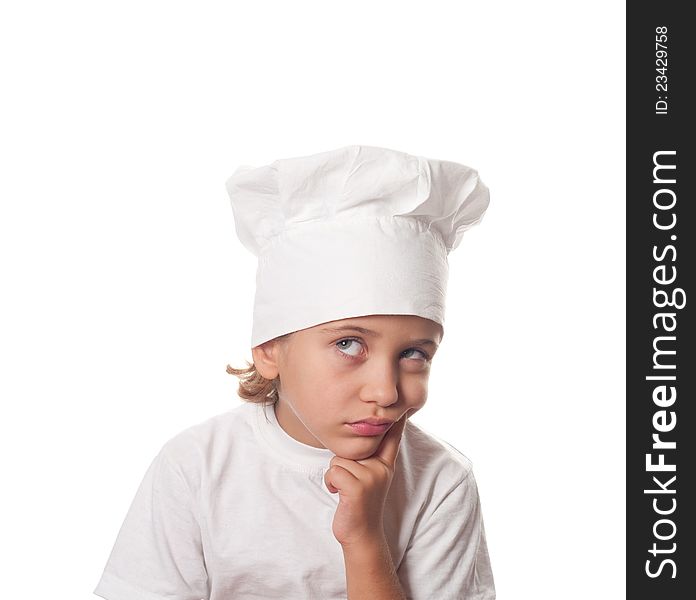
x=234 y=508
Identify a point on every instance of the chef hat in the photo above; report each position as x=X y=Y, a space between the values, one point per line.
x=356 y=231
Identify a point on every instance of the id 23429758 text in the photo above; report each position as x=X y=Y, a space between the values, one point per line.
x=661 y=68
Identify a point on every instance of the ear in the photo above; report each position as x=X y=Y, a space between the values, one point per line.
x=265 y=359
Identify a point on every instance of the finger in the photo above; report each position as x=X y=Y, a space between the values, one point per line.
x=389 y=448
x=338 y=479
x=356 y=468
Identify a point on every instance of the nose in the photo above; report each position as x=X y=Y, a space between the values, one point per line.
x=381 y=385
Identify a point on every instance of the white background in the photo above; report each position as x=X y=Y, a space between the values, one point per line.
x=125 y=292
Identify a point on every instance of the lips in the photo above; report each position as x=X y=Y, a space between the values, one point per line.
x=373 y=421
x=370 y=426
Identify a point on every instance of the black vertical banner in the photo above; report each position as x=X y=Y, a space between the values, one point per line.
x=660 y=432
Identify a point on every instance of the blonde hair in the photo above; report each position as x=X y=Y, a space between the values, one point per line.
x=254 y=387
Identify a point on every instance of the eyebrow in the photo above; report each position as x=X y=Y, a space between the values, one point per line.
x=363 y=330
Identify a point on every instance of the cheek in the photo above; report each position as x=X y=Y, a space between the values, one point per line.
x=415 y=392
x=302 y=372
x=313 y=389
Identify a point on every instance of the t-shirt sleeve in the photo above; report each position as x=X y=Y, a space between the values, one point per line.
x=447 y=556
x=158 y=552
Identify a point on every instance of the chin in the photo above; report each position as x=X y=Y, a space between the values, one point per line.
x=358 y=451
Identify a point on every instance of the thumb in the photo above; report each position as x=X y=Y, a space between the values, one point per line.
x=389 y=448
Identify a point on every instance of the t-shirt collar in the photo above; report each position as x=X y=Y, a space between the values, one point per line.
x=287 y=449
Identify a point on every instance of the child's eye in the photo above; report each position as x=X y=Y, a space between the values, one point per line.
x=347 y=343
x=423 y=354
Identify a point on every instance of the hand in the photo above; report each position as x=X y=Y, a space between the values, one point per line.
x=362 y=487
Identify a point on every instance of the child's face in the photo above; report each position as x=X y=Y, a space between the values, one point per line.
x=331 y=377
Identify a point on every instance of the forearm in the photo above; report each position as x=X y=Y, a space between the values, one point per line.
x=370 y=573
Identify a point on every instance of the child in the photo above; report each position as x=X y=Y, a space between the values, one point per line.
x=318 y=487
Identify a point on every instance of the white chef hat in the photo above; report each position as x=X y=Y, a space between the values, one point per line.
x=356 y=231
